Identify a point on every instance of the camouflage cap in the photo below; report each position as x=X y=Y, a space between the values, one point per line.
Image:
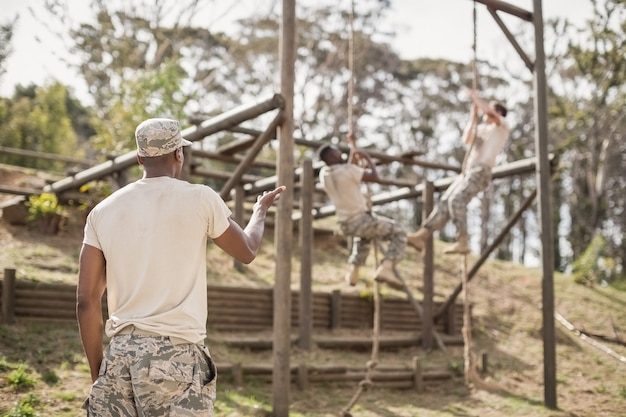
x=158 y=136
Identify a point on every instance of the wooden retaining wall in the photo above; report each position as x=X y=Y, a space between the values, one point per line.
x=235 y=309
x=398 y=377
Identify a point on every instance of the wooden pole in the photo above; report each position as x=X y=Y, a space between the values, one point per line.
x=252 y=153
x=8 y=297
x=427 y=302
x=305 y=324
x=543 y=175
x=281 y=373
x=222 y=122
x=239 y=200
x=508 y=8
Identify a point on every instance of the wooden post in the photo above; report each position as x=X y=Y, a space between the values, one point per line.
x=303 y=377
x=484 y=363
x=418 y=376
x=237 y=374
x=283 y=231
x=8 y=297
x=240 y=196
x=427 y=303
x=186 y=171
x=305 y=324
x=335 y=310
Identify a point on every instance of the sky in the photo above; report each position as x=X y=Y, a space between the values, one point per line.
x=425 y=28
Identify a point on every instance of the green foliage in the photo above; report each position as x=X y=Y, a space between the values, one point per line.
x=25 y=408
x=50 y=377
x=593 y=266
x=43 y=206
x=20 y=378
x=6 y=34
x=37 y=119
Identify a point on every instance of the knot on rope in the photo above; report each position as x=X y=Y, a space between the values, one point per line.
x=365 y=384
x=371 y=364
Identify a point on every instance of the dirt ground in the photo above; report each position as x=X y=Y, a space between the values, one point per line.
x=506 y=325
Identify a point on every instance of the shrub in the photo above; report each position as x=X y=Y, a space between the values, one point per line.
x=25 y=408
x=20 y=378
x=44 y=210
x=43 y=206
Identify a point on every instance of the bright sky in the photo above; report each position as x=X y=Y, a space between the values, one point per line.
x=426 y=28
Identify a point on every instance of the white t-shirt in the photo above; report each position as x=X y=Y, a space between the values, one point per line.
x=342 y=183
x=153 y=234
x=489 y=142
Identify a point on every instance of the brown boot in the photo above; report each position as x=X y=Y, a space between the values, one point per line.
x=459 y=247
x=352 y=276
x=418 y=239
x=385 y=274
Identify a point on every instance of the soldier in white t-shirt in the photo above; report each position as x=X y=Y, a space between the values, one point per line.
x=146 y=245
x=486 y=142
x=342 y=180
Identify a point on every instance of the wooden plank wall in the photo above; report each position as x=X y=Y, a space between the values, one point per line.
x=248 y=309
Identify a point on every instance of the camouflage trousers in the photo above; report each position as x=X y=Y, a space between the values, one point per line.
x=151 y=376
x=453 y=203
x=366 y=227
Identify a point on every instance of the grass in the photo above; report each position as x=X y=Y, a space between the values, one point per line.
x=43 y=370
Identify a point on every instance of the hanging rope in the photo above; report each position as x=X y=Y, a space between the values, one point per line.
x=366 y=382
x=474 y=78
x=351 y=123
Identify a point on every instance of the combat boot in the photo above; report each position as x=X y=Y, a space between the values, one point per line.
x=385 y=274
x=418 y=239
x=459 y=247
x=352 y=276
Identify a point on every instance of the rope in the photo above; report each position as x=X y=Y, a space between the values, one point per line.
x=367 y=382
x=351 y=123
x=474 y=79
x=467 y=327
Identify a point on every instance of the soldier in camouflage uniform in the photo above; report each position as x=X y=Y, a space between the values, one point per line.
x=146 y=245
x=342 y=182
x=487 y=140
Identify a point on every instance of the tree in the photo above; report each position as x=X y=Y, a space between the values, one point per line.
x=589 y=117
x=37 y=119
x=6 y=34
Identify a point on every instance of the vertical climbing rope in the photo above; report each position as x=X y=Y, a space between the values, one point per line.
x=366 y=382
x=467 y=327
x=474 y=78
x=351 y=123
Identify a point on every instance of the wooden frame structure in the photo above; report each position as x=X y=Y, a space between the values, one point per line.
x=282 y=128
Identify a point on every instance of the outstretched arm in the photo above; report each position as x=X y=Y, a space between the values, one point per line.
x=243 y=244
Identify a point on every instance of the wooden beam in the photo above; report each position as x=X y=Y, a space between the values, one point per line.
x=521 y=167
x=508 y=8
x=208 y=127
x=221 y=175
x=232 y=159
x=48 y=156
x=250 y=156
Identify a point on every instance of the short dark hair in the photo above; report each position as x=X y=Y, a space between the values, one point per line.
x=321 y=151
x=499 y=107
